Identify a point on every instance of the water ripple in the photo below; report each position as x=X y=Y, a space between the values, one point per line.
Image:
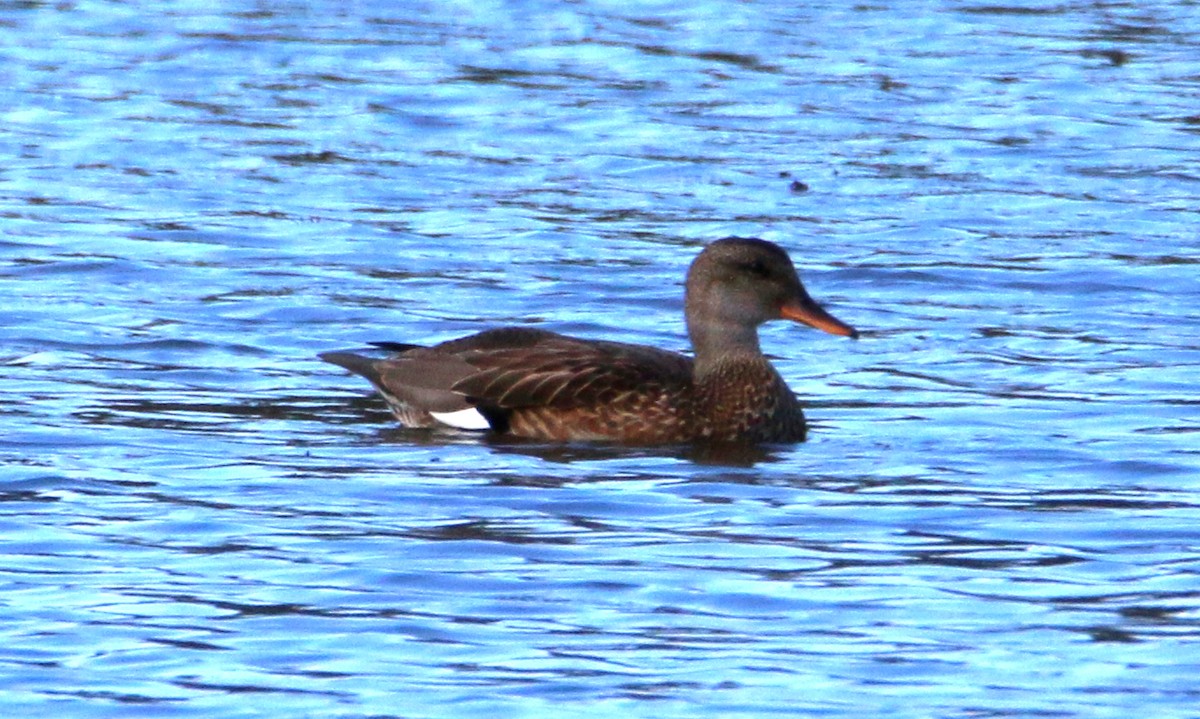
x=995 y=513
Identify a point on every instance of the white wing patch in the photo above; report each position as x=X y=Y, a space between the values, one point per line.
x=469 y=418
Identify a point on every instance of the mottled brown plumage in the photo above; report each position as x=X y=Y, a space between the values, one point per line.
x=533 y=383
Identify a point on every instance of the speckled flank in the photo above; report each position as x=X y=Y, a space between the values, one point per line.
x=739 y=401
x=641 y=416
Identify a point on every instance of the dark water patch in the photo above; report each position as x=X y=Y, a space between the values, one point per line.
x=312 y=158
x=1014 y=10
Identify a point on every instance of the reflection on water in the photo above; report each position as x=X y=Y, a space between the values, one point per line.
x=995 y=512
x=731 y=454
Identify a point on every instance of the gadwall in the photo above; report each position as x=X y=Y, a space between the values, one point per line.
x=542 y=385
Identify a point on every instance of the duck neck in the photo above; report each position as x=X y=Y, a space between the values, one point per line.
x=714 y=342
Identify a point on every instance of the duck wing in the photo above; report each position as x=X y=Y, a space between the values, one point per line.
x=552 y=370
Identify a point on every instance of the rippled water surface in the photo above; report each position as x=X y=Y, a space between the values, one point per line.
x=996 y=514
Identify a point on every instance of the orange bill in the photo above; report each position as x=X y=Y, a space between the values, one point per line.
x=805 y=310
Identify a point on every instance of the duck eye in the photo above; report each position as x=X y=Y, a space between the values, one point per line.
x=758 y=268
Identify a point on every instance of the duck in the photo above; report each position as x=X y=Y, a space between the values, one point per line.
x=536 y=384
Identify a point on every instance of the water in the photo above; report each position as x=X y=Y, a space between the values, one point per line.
x=996 y=514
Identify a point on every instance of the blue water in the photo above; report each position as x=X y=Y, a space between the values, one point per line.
x=996 y=513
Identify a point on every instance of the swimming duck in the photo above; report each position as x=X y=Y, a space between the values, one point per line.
x=533 y=383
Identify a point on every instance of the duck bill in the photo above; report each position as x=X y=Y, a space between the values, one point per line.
x=805 y=310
